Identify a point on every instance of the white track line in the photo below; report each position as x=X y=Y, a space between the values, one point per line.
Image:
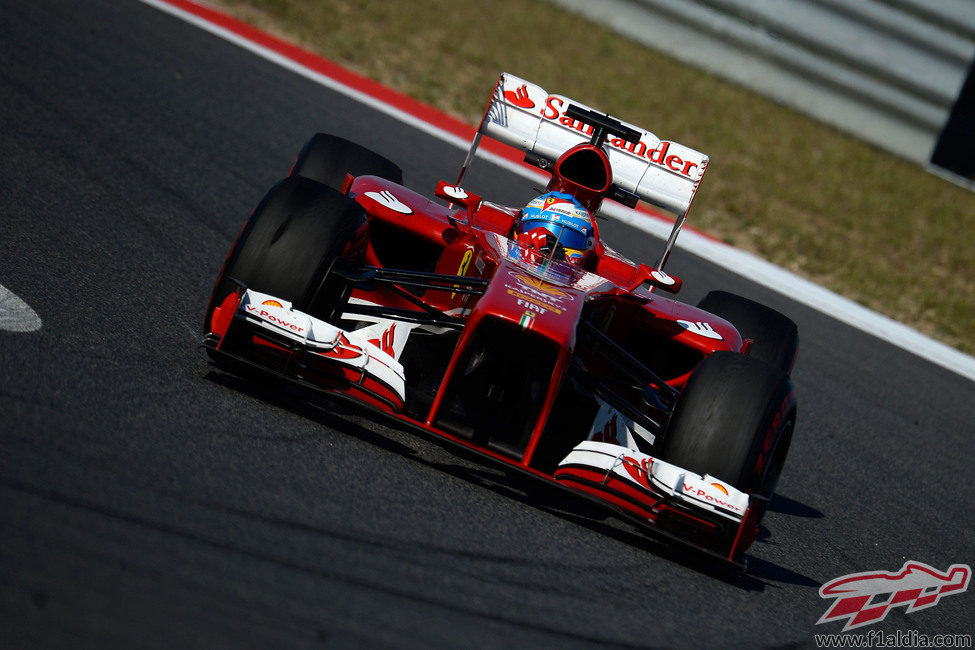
x=745 y=264
x=15 y=314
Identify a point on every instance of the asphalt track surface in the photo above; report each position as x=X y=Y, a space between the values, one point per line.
x=148 y=500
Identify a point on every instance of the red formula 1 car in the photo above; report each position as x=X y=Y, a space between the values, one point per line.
x=517 y=332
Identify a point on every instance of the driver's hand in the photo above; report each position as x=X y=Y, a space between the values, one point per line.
x=536 y=244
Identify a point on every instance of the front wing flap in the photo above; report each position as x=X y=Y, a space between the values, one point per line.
x=699 y=508
x=266 y=330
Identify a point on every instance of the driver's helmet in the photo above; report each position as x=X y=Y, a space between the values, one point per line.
x=557 y=220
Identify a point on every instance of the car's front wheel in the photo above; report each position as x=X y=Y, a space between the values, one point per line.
x=734 y=420
x=774 y=336
x=290 y=242
x=328 y=158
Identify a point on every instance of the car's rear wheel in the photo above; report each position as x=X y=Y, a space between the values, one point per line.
x=328 y=158
x=733 y=420
x=290 y=242
x=774 y=336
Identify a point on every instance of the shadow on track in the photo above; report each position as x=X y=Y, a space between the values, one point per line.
x=334 y=413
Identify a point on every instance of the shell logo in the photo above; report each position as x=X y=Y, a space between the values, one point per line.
x=720 y=487
x=539 y=285
x=272 y=303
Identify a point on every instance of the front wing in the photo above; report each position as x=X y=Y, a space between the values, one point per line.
x=262 y=330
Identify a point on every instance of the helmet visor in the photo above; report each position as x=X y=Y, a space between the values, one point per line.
x=567 y=236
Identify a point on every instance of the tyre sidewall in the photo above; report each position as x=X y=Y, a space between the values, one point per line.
x=774 y=336
x=290 y=241
x=731 y=420
x=328 y=158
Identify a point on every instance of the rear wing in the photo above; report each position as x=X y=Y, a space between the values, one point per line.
x=523 y=115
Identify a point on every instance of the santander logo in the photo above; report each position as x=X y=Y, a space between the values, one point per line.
x=343 y=349
x=639 y=470
x=662 y=277
x=455 y=192
x=519 y=97
x=701 y=328
x=390 y=200
x=661 y=156
x=865 y=598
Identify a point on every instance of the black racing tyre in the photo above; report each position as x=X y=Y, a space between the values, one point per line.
x=775 y=337
x=328 y=158
x=289 y=243
x=733 y=420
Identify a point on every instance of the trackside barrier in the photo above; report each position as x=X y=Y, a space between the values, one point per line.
x=888 y=71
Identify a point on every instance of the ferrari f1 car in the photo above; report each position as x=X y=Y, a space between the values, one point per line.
x=517 y=332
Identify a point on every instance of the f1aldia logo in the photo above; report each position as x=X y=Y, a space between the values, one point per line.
x=865 y=598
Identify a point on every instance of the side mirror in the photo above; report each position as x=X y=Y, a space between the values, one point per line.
x=459 y=196
x=657 y=278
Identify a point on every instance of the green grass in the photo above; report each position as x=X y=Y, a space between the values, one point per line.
x=868 y=225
